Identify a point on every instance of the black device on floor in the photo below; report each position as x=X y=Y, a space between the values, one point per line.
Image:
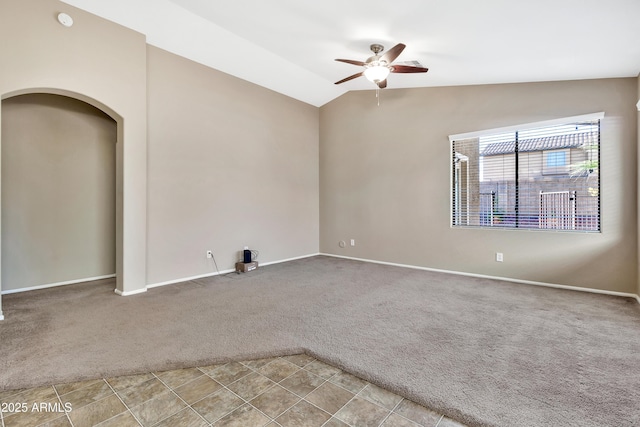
x=246 y=256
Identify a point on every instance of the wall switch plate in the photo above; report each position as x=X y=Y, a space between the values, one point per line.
x=499 y=257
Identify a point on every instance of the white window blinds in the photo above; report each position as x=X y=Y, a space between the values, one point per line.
x=531 y=178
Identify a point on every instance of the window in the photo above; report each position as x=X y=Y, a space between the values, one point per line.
x=555 y=162
x=540 y=176
x=556 y=158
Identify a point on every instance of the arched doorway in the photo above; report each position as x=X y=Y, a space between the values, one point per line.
x=129 y=266
x=58 y=192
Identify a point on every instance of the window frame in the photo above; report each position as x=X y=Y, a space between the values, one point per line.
x=562 y=169
x=516 y=128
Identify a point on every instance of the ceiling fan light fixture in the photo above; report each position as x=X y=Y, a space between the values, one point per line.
x=377 y=73
x=378 y=67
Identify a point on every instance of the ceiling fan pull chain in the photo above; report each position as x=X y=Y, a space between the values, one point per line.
x=378 y=95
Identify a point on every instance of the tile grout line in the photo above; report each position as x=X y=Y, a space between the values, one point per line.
x=340 y=419
x=91 y=403
x=184 y=401
x=350 y=400
x=251 y=369
x=271 y=419
x=246 y=402
x=189 y=406
x=122 y=401
x=327 y=380
x=368 y=382
x=409 y=419
x=78 y=389
x=60 y=400
x=340 y=408
x=300 y=398
x=224 y=386
x=392 y=412
x=376 y=404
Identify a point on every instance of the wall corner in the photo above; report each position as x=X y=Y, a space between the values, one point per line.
x=638 y=178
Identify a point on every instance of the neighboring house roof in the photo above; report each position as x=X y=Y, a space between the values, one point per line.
x=556 y=142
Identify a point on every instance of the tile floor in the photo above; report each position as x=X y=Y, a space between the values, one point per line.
x=289 y=391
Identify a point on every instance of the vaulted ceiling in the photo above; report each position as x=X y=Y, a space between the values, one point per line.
x=289 y=46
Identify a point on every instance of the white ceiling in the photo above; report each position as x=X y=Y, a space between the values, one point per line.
x=289 y=46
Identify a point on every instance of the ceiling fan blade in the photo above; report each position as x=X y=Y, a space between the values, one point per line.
x=382 y=84
x=351 y=61
x=346 y=79
x=393 y=53
x=407 y=69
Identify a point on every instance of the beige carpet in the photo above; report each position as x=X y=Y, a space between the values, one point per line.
x=481 y=351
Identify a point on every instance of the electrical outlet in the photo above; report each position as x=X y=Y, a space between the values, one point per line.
x=353 y=242
x=209 y=254
x=499 y=257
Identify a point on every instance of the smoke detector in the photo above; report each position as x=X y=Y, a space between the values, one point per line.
x=65 y=19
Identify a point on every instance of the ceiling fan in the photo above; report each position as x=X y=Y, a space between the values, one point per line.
x=377 y=67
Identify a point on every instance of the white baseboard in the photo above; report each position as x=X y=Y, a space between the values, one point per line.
x=51 y=285
x=483 y=276
x=186 y=279
x=142 y=290
x=215 y=273
x=126 y=294
x=289 y=259
x=1 y=316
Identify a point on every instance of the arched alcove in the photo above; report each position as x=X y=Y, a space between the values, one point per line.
x=119 y=158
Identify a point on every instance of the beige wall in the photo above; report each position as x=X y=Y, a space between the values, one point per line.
x=231 y=164
x=385 y=181
x=58 y=191
x=105 y=65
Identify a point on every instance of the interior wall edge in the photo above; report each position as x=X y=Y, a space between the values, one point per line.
x=638 y=178
x=105 y=62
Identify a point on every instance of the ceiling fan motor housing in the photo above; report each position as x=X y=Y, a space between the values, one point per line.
x=376 y=48
x=374 y=60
